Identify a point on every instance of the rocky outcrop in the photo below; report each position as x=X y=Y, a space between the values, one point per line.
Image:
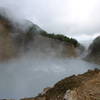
x=80 y=87
x=94 y=51
x=89 y=90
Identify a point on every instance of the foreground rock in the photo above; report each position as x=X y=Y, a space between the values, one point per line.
x=89 y=90
x=80 y=87
x=94 y=51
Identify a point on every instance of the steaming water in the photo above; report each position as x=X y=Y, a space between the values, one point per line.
x=27 y=76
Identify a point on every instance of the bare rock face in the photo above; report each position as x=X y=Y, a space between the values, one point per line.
x=15 y=37
x=45 y=90
x=70 y=95
x=54 y=48
x=18 y=37
x=72 y=84
x=89 y=90
x=94 y=51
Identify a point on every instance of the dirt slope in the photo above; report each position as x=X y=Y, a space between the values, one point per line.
x=81 y=87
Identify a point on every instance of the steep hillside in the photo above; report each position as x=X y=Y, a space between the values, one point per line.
x=94 y=51
x=19 y=36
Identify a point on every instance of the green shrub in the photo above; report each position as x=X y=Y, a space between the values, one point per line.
x=61 y=37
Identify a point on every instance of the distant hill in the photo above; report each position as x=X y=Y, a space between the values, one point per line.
x=94 y=51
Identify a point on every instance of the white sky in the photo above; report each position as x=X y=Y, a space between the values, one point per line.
x=77 y=18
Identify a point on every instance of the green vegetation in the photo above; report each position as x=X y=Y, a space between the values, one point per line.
x=61 y=38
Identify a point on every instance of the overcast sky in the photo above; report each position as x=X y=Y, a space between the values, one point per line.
x=78 y=18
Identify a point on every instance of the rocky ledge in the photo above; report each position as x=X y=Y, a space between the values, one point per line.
x=80 y=87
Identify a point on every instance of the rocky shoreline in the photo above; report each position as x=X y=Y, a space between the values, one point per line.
x=76 y=87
